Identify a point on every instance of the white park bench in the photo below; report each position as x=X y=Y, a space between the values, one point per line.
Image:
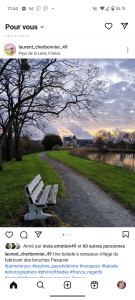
x=39 y=198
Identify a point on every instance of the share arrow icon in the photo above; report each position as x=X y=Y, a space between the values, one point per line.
x=38 y=233
x=124 y=25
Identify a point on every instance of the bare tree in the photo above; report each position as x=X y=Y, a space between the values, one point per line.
x=3 y=65
x=47 y=88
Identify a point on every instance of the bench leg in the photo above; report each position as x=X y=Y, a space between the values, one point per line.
x=36 y=214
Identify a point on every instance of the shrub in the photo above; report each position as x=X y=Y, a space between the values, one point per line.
x=81 y=152
x=57 y=147
x=50 y=140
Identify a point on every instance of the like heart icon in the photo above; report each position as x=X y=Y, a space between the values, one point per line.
x=108 y=25
x=9 y=234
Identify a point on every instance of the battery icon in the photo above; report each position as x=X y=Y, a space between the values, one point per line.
x=112 y=8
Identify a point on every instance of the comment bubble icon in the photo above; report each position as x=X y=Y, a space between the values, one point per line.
x=23 y=234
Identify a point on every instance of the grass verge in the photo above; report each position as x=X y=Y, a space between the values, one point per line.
x=116 y=181
x=14 y=177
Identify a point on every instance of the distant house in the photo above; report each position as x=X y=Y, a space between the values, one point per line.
x=72 y=141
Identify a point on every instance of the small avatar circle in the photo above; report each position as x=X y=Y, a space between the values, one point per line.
x=9 y=49
x=8 y=246
x=18 y=246
x=121 y=284
x=13 y=245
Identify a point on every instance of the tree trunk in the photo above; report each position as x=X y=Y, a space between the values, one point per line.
x=17 y=145
x=1 y=155
x=8 y=140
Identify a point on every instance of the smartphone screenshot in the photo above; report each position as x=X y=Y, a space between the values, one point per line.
x=67 y=149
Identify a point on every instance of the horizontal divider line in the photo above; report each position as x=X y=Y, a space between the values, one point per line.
x=67 y=295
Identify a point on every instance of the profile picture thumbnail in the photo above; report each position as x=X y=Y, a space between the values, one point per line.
x=12 y=246
x=121 y=284
x=9 y=49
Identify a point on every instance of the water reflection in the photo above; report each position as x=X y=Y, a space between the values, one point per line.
x=123 y=160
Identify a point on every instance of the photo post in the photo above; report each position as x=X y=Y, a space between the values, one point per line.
x=67 y=150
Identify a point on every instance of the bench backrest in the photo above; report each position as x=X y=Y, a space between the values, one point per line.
x=34 y=188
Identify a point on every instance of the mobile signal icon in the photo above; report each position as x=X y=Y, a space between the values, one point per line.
x=102 y=7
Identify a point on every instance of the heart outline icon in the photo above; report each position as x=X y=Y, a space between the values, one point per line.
x=9 y=234
x=108 y=25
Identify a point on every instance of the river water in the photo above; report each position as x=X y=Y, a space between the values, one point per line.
x=123 y=160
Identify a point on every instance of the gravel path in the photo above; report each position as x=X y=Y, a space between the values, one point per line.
x=85 y=204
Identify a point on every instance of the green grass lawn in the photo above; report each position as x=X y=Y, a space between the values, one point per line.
x=15 y=176
x=118 y=182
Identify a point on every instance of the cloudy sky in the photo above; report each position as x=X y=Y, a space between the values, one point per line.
x=118 y=111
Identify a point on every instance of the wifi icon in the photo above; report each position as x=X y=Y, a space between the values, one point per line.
x=102 y=7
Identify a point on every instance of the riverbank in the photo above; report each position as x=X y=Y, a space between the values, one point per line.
x=117 y=182
x=85 y=203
